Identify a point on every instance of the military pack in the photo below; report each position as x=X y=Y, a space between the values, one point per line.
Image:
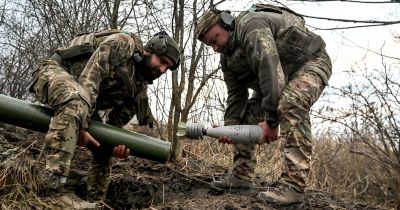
x=75 y=56
x=295 y=44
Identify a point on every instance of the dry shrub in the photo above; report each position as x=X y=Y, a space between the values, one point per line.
x=335 y=169
x=348 y=175
x=20 y=181
x=212 y=152
x=269 y=161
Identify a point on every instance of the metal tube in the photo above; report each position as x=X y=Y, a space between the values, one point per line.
x=35 y=117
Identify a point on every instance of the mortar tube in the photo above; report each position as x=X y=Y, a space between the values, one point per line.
x=35 y=117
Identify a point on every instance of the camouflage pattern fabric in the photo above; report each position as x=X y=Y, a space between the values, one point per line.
x=99 y=173
x=56 y=87
x=206 y=21
x=294 y=107
x=244 y=154
x=287 y=87
x=75 y=99
x=295 y=126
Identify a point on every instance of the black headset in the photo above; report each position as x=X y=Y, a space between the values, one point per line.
x=226 y=20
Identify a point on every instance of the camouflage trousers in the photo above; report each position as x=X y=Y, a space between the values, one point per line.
x=301 y=92
x=54 y=86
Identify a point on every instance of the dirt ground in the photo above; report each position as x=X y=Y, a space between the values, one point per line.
x=143 y=184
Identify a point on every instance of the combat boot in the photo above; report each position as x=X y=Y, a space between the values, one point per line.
x=95 y=195
x=282 y=196
x=234 y=184
x=52 y=183
x=56 y=181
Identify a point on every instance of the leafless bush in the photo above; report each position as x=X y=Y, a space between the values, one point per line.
x=339 y=171
x=32 y=30
x=368 y=121
x=20 y=180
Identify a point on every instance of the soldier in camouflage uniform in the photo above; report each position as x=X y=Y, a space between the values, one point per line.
x=107 y=70
x=269 y=50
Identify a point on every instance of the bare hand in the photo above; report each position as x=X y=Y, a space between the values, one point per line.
x=121 y=152
x=225 y=140
x=84 y=138
x=269 y=134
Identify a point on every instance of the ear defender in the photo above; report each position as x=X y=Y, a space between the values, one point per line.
x=226 y=20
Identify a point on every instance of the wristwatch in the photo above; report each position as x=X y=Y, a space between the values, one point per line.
x=273 y=123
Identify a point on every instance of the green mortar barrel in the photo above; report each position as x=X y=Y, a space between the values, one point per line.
x=35 y=117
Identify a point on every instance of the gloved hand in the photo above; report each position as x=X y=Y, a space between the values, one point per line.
x=143 y=112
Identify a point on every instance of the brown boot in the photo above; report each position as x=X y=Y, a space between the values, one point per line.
x=233 y=184
x=282 y=196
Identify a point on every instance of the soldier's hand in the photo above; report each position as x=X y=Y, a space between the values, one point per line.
x=269 y=134
x=85 y=138
x=225 y=140
x=121 y=152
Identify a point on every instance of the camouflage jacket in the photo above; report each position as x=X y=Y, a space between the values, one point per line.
x=255 y=58
x=108 y=76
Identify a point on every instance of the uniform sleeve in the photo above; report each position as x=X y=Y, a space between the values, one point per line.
x=262 y=54
x=113 y=53
x=237 y=96
x=121 y=114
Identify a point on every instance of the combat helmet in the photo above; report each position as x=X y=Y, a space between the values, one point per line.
x=212 y=17
x=163 y=45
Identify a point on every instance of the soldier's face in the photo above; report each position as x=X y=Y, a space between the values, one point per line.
x=160 y=63
x=216 y=37
x=153 y=66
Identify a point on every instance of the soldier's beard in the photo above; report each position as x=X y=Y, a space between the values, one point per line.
x=146 y=72
x=224 y=49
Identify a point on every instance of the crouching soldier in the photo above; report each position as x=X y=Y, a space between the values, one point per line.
x=108 y=70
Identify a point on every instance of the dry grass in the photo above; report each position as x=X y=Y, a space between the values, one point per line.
x=212 y=152
x=351 y=176
x=335 y=169
x=20 y=181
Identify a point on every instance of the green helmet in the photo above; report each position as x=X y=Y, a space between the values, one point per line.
x=205 y=22
x=163 y=45
x=212 y=17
